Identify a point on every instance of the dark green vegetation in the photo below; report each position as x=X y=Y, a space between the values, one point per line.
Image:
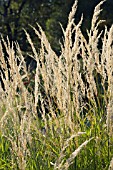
x=16 y=15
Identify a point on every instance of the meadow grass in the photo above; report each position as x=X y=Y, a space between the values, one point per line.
x=62 y=118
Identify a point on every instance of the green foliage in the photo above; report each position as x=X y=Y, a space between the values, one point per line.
x=15 y=16
x=5 y=153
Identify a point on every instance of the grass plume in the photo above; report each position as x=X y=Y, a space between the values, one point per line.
x=62 y=118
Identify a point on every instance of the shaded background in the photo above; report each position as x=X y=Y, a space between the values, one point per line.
x=18 y=14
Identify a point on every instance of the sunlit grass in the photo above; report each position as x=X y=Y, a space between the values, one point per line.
x=60 y=116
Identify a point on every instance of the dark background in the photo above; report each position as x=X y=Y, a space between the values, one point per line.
x=18 y=14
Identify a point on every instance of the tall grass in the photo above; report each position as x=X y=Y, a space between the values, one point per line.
x=63 y=119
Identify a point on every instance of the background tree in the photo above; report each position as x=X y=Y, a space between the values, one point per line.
x=16 y=15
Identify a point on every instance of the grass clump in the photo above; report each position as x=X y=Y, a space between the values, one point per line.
x=63 y=118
